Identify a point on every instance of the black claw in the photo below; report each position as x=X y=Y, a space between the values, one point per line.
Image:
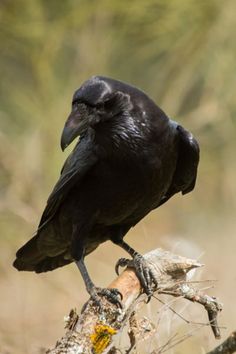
x=112 y=295
x=117 y=268
x=116 y=292
x=122 y=262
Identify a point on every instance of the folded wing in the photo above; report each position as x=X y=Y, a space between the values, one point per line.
x=30 y=256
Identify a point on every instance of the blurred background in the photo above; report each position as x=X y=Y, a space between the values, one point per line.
x=183 y=54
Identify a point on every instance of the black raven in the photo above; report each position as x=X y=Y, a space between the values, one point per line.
x=130 y=159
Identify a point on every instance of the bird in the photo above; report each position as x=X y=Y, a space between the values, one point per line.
x=130 y=159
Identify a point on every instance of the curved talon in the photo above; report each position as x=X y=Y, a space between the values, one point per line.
x=112 y=295
x=122 y=262
x=149 y=296
x=116 y=292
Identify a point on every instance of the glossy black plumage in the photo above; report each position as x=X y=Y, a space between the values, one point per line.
x=130 y=159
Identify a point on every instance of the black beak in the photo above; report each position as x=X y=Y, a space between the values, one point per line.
x=66 y=137
x=72 y=129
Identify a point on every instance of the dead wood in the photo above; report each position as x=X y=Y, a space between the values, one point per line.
x=93 y=330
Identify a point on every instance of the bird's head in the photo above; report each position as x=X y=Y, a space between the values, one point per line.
x=96 y=101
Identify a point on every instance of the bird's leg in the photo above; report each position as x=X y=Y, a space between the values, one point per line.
x=143 y=270
x=87 y=280
x=78 y=250
x=113 y=295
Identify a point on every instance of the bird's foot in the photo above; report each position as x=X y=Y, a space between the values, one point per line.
x=143 y=271
x=113 y=295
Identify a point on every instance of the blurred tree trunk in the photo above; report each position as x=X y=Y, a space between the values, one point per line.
x=227 y=347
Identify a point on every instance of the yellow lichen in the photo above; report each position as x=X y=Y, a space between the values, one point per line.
x=101 y=337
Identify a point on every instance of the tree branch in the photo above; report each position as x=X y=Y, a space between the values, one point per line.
x=93 y=330
x=227 y=347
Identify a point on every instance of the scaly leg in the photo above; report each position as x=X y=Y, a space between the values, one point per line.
x=79 y=238
x=113 y=295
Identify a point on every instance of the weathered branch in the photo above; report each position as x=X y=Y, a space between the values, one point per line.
x=93 y=330
x=227 y=347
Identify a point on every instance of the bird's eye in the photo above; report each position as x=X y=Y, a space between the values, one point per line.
x=100 y=105
x=75 y=104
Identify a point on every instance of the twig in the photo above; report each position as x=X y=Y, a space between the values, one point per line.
x=211 y=305
x=175 y=340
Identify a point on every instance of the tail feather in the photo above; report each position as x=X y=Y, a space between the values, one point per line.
x=51 y=263
x=30 y=258
x=28 y=255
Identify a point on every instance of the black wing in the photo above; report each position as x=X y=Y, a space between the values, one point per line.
x=185 y=175
x=79 y=162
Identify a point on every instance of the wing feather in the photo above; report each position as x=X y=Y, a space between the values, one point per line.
x=79 y=162
x=185 y=175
